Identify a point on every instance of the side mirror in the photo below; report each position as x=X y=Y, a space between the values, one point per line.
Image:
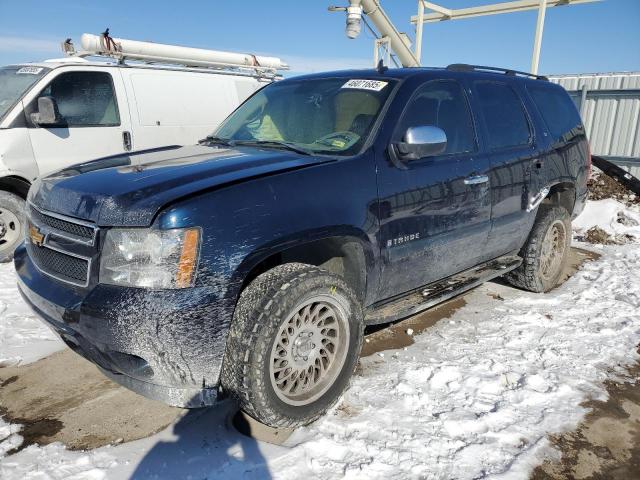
x=47 y=113
x=421 y=142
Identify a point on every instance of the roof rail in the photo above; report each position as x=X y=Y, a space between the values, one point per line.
x=463 y=67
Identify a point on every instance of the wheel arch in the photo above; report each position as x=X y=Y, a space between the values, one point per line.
x=14 y=184
x=348 y=256
x=562 y=194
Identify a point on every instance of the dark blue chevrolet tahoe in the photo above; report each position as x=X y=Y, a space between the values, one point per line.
x=249 y=265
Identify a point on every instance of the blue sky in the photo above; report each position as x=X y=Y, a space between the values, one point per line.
x=603 y=36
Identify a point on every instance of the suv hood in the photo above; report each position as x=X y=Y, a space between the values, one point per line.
x=129 y=190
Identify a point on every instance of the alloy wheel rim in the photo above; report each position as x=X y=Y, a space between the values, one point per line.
x=10 y=228
x=309 y=351
x=553 y=249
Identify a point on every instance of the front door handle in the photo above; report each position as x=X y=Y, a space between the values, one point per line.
x=476 y=179
x=126 y=141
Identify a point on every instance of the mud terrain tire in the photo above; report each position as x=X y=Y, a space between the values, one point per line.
x=299 y=317
x=546 y=251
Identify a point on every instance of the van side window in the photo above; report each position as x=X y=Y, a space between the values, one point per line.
x=557 y=110
x=84 y=99
x=504 y=115
x=442 y=103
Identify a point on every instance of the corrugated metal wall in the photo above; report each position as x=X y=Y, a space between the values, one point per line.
x=610 y=107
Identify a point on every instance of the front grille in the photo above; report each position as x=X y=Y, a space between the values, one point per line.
x=59 y=265
x=75 y=229
x=60 y=246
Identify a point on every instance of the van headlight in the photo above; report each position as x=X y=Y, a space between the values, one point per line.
x=149 y=258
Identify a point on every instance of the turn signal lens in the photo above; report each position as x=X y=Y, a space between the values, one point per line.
x=188 y=258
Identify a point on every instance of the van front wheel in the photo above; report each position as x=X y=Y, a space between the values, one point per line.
x=293 y=345
x=11 y=224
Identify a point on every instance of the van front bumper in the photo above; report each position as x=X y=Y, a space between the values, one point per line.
x=167 y=345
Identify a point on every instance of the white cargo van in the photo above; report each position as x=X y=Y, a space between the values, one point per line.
x=60 y=112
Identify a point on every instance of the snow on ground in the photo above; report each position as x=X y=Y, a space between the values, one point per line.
x=474 y=397
x=611 y=216
x=23 y=337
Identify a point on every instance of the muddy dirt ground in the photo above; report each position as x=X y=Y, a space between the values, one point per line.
x=606 y=445
x=64 y=398
x=602 y=186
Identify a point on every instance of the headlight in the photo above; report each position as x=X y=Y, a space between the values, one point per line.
x=140 y=257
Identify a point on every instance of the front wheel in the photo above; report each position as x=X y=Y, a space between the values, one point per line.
x=293 y=345
x=11 y=224
x=546 y=252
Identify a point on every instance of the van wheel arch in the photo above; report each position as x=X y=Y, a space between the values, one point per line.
x=16 y=185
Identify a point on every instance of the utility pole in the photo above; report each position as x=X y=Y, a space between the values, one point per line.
x=419 y=28
x=537 y=42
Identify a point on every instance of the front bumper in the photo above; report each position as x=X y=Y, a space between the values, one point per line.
x=167 y=345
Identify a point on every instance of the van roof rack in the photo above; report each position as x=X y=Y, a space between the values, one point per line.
x=151 y=53
x=464 y=67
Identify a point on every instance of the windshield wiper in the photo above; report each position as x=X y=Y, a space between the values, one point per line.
x=213 y=140
x=275 y=144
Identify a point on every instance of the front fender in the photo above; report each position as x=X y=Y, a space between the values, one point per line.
x=310 y=246
x=16 y=154
x=247 y=223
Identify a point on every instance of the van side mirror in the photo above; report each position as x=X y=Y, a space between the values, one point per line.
x=48 y=113
x=421 y=142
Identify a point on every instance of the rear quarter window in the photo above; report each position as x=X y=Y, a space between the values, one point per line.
x=557 y=109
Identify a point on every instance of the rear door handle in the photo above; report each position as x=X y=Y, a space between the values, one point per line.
x=476 y=179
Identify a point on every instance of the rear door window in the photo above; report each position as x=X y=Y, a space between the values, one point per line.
x=504 y=115
x=443 y=104
x=557 y=110
x=84 y=99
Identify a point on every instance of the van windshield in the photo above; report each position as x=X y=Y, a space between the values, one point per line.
x=14 y=82
x=329 y=115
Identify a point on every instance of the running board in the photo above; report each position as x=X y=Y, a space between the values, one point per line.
x=437 y=292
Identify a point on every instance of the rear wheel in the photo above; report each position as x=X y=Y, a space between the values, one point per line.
x=546 y=252
x=293 y=345
x=11 y=224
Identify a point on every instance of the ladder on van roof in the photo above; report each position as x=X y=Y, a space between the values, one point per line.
x=120 y=49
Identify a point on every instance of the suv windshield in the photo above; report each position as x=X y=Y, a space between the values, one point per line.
x=329 y=115
x=14 y=81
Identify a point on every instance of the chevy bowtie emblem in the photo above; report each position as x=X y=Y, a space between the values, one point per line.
x=36 y=237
